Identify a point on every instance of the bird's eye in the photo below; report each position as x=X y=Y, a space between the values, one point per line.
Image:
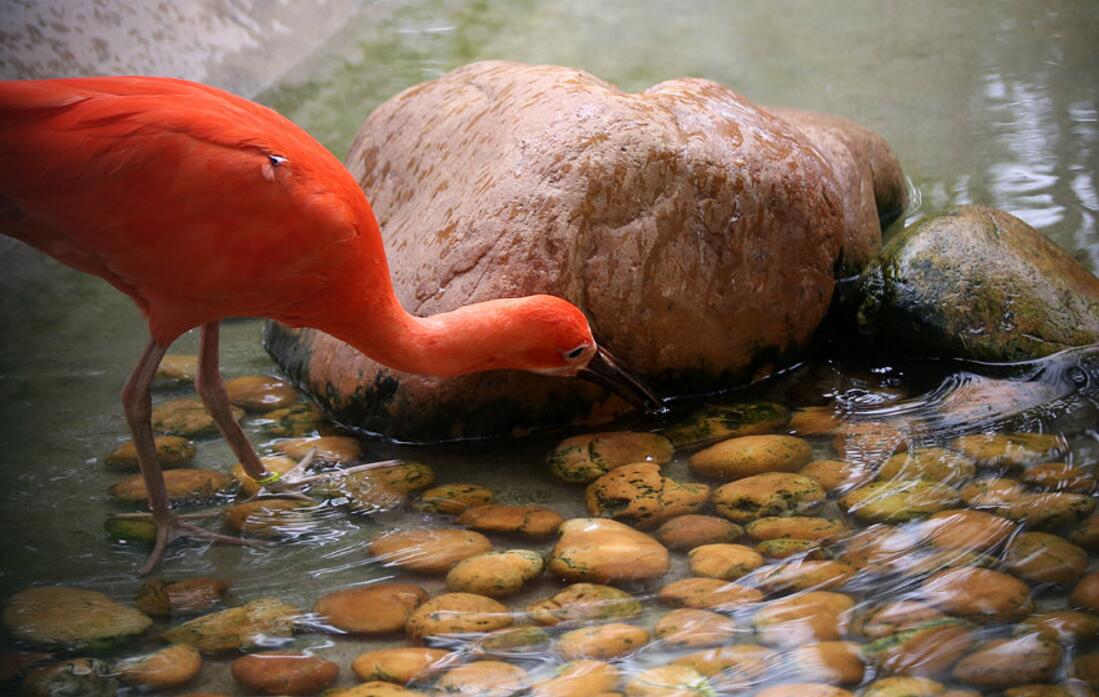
x=276 y=160
x=575 y=353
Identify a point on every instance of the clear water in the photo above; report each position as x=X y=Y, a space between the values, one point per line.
x=987 y=102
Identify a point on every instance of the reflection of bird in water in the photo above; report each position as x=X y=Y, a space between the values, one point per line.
x=201 y=205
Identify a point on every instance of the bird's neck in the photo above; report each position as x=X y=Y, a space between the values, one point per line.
x=465 y=340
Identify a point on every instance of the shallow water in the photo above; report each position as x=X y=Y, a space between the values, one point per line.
x=986 y=102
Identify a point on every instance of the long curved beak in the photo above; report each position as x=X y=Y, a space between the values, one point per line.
x=604 y=371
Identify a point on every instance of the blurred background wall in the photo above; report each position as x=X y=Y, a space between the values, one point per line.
x=240 y=45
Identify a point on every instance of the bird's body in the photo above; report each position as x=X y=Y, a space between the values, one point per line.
x=129 y=179
x=201 y=205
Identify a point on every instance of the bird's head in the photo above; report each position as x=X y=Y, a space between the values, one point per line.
x=556 y=339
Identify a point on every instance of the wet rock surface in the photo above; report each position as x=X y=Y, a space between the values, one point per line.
x=977 y=283
x=595 y=166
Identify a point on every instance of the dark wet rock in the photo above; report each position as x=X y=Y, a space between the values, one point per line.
x=502 y=179
x=976 y=283
x=237 y=628
x=71 y=618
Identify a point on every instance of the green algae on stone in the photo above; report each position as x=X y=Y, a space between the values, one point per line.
x=71 y=618
x=977 y=283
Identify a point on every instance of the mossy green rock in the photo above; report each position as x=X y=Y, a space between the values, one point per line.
x=977 y=283
x=71 y=618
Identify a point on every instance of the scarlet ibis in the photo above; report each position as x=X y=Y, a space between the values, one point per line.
x=202 y=205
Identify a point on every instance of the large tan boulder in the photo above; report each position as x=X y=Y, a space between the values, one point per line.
x=699 y=232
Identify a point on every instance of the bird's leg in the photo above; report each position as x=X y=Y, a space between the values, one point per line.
x=137 y=404
x=212 y=390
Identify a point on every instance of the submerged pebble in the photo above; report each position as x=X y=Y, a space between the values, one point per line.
x=379 y=608
x=171 y=451
x=714 y=422
x=83 y=677
x=337 y=449
x=692 y=530
x=187 y=417
x=176 y=367
x=456 y=613
x=276 y=673
x=668 y=681
x=162 y=598
x=641 y=496
x=585 y=602
x=693 y=628
x=606 y=551
x=427 y=551
x=401 y=665
x=71 y=618
x=581 y=678
x=764 y=495
x=484 y=678
x=525 y=520
x=602 y=641
x=237 y=628
x=495 y=574
x=184 y=484
x=742 y=457
x=169 y=667
x=583 y=459
x=452 y=499
x=260 y=393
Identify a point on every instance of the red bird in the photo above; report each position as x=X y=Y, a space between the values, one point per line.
x=201 y=205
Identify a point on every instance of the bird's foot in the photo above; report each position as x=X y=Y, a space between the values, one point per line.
x=288 y=484
x=177 y=526
x=335 y=474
